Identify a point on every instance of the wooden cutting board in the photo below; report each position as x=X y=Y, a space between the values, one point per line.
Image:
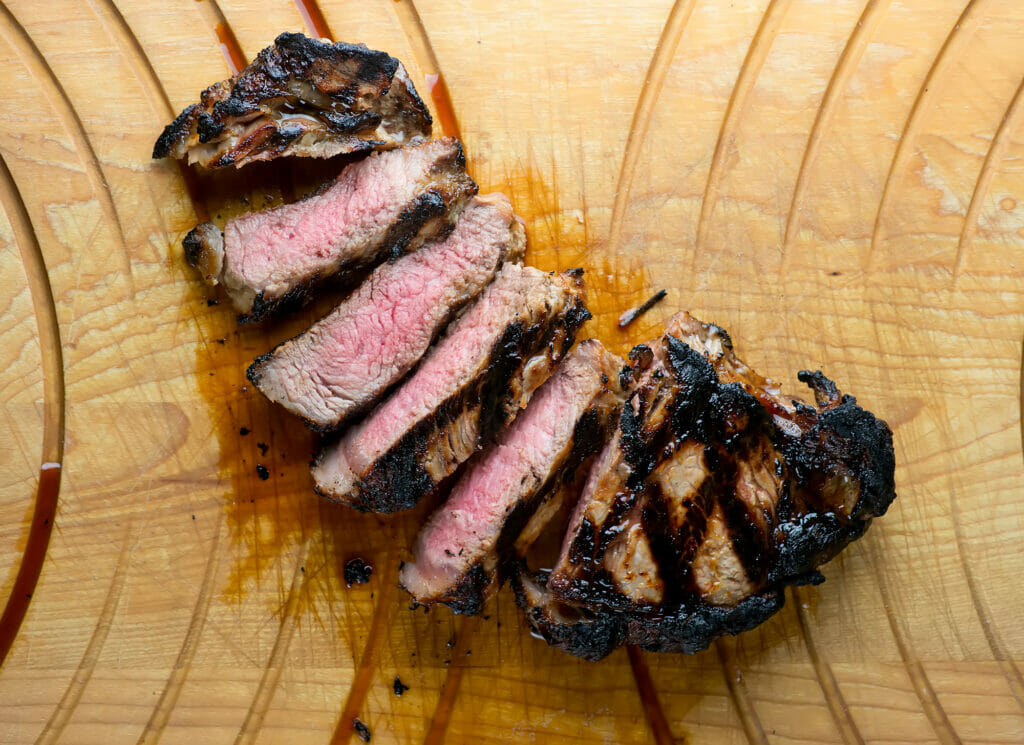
x=838 y=183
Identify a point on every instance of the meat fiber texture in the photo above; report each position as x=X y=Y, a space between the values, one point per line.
x=458 y=552
x=468 y=387
x=300 y=97
x=380 y=207
x=715 y=492
x=344 y=362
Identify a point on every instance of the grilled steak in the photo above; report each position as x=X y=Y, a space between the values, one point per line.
x=468 y=387
x=714 y=494
x=382 y=206
x=459 y=553
x=345 y=361
x=299 y=97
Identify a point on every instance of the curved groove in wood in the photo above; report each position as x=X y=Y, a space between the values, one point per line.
x=313 y=18
x=414 y=30
x=218 y=24
x=849 y=58
x=161 y=714
x=1010 y=671
x=23 y=45
x=374 y=639
x=930 y=705
x=253 y=722
x=52 y=359
x=450 y=689
x=119 y=30
x=61 y=715
x=757 y=53
x=654 y=81
x=993 y=158
x=738 y=693
x=826 y=679
x=952 y=44
x=654 y=713
x=957 y=36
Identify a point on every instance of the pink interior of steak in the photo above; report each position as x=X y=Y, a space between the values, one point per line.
x=269 y=250
x=457 y=357
x=382 y=329
x=469 y=524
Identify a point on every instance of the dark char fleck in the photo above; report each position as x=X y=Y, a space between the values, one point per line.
x=357 y=571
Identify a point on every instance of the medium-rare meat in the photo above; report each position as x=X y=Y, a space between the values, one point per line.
x=715 y=492
x=470 y=385
x=383 y=206
x=459 y=554
x=345 y=361
x=301 y=97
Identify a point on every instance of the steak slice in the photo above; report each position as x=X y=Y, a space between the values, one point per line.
x=345 y=361
x=459 y=554
x=468 y=387
x=380 y=207
x=714 y=494
x=301 y=97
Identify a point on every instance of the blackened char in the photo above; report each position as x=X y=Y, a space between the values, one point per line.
x=300 y=97
x=715 y=493
x=381 y=207
x=470 y=385
x=503 y=501
x=340 y=366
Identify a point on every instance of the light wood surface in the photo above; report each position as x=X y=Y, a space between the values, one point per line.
x=838 y=183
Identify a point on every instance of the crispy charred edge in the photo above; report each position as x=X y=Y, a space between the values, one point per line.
x=291 y=56
x=398 y=480
x=588 y=635
x=473 y=589
x=594 y=634
x=847 y=434
x=691 y=629
x=468 y=595
x=204 y=251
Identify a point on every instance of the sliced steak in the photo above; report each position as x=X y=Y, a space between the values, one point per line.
x=380 y=207
x=468 y=387
x=345 y=361
x=301 y=97
x=459 y=554
x=714 y=494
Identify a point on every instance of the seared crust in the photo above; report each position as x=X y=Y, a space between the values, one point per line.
x=775 y=485
x=301 y=97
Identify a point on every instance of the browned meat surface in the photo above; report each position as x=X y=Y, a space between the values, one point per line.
x=470 y=385
x=382 y=206
x=300 y=97
x=494 y=511
x=714 y=493
x=345 y=361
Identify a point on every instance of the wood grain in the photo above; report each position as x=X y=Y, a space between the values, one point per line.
x=840 y=184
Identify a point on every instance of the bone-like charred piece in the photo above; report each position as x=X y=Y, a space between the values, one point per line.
x=501 y=504
x=381 y=207
x=300 y=97
x=471 y=385
x=713 y=495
